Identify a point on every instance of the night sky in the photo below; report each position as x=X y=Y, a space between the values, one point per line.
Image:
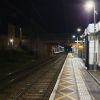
x=54 y=16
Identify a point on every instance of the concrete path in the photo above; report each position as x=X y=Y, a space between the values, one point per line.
x=70 y=84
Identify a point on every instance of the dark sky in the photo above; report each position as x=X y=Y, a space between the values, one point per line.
x=55 y=16
x=63 y=16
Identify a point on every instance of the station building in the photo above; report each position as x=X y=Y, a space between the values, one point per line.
x=92 y=44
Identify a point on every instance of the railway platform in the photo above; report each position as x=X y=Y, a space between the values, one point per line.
x=71 y=84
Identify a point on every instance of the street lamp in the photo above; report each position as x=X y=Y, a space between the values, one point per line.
x=89 y=6
x=78 y=31
x=73 y=36
x=11 y=40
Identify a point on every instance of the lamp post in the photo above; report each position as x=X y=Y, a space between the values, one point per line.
x=78 y=30
x=76 y=47
x=91 y=5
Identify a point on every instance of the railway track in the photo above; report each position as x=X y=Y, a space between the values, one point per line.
x=36 y=86
x=12 y=77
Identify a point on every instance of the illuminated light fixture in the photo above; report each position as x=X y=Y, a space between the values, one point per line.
x=73 y=36
x=78 y=30
x=78 y=41
x=80 y=46
x=89 y=5
x=11 y=40
x=81 y=36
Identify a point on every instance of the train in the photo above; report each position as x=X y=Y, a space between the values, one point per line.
x=57 y=49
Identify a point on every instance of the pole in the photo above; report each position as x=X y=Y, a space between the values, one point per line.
x=95 y=68
x=77 y=46
x=82 y=49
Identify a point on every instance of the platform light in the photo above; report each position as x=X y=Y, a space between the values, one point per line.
x=78 y=29
x=80 y=46
x=81 y=36
x=73 y=36
x=89 y=5
x=11 y=40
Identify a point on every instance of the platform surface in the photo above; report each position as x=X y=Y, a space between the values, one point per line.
x=71 y=85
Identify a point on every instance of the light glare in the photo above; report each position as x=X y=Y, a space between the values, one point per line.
x=81 y=36
x=73 y=36
x=89 y=5
x=78 y=30
x=11 y=40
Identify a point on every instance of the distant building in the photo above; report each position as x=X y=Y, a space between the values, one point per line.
x=10 y=40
